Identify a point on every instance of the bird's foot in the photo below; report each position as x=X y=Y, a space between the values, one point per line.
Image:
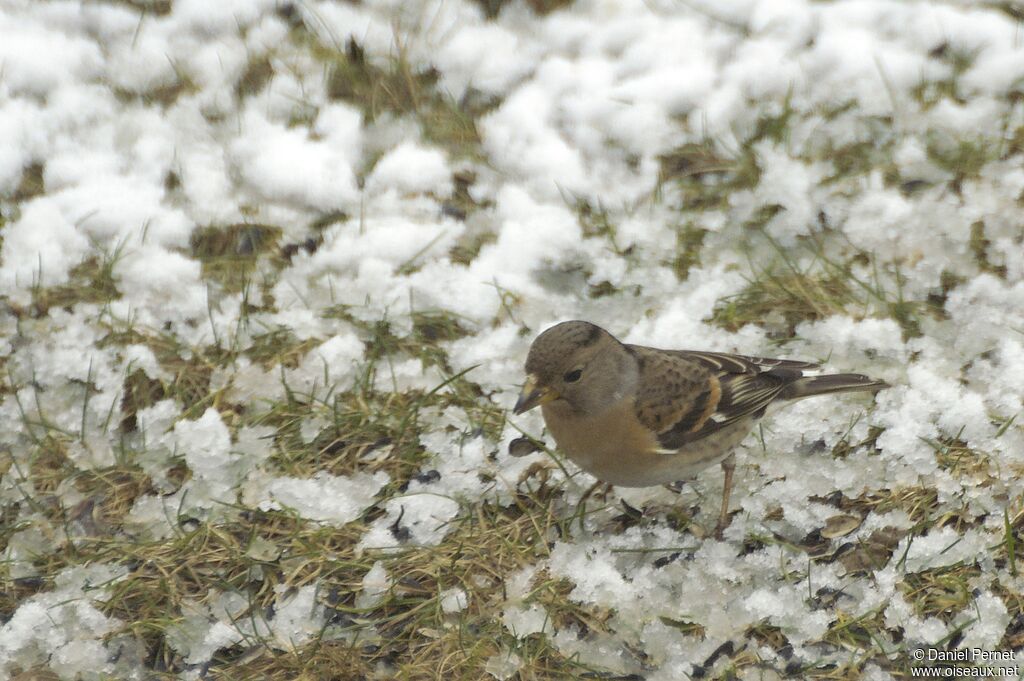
x=676 y=487
x=723 y=522
x=592 y=491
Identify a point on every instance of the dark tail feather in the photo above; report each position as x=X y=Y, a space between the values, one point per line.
x=835 y=383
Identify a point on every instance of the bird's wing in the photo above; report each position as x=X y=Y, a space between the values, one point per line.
x=687 y=395
x=741 y=364
x=672 y=389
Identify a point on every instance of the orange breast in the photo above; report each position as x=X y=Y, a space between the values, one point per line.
x=616 y=448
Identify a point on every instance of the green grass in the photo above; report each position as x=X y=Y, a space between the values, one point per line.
x=91 y=281
x=229 y=254
x=164 y=95
x=704 y=176
x=813 y=281
x=395 y=86
x=492 y=8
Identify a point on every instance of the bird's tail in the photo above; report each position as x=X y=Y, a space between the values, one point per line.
x=833 y=383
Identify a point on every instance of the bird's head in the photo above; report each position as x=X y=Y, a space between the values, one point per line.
x=579 y=366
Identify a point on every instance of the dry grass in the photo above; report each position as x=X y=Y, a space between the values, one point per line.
x=397 y=87
x=817 y=279
x=406 y=632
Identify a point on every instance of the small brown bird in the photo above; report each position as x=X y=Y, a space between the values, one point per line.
x=636 y=416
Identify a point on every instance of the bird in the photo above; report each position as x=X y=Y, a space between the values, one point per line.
x=636 y=416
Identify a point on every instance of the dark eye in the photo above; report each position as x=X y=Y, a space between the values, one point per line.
x=573 y=376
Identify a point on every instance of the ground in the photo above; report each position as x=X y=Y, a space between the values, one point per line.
x=268 y=275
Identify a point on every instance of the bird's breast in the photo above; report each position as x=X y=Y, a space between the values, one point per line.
x=613 y=446
x=616 y=448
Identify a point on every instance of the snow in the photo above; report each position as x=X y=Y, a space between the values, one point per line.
x=63 y=623
x=375 y=585
x=939 y=548
x=420 y=519
x=523 y=621
x=335 y=358
x=989 y=622
x=72 y=57
x=503 y=665
x=454 y=600
x=323 y=498
x=40 y=248
x=488 y=58
x=137 y=129
x=409 y=168
x=285 y=164
x=839 y=337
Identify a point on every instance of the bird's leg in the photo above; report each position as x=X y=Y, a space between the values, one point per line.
x=581 y=506
x=590 y=490
x=728 y=466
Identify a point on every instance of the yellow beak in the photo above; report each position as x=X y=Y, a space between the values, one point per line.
x=532 y=396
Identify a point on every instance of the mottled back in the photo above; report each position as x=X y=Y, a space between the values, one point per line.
x=671 y=388
x=687 y=395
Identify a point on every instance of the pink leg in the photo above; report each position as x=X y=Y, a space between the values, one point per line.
x=728 y=466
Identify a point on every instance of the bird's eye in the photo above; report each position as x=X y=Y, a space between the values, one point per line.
x=573 y=376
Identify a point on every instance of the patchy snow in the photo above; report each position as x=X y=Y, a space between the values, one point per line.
x=411 y=169
x=375 y=585
x=41 y=247
x=420 y=519
x=454 y=600
x=64 y=626
x=324 y=498
x=631 y=162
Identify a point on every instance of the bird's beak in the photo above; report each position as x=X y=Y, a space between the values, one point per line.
x=532 y=396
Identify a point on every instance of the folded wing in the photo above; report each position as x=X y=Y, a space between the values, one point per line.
x=689 y=395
